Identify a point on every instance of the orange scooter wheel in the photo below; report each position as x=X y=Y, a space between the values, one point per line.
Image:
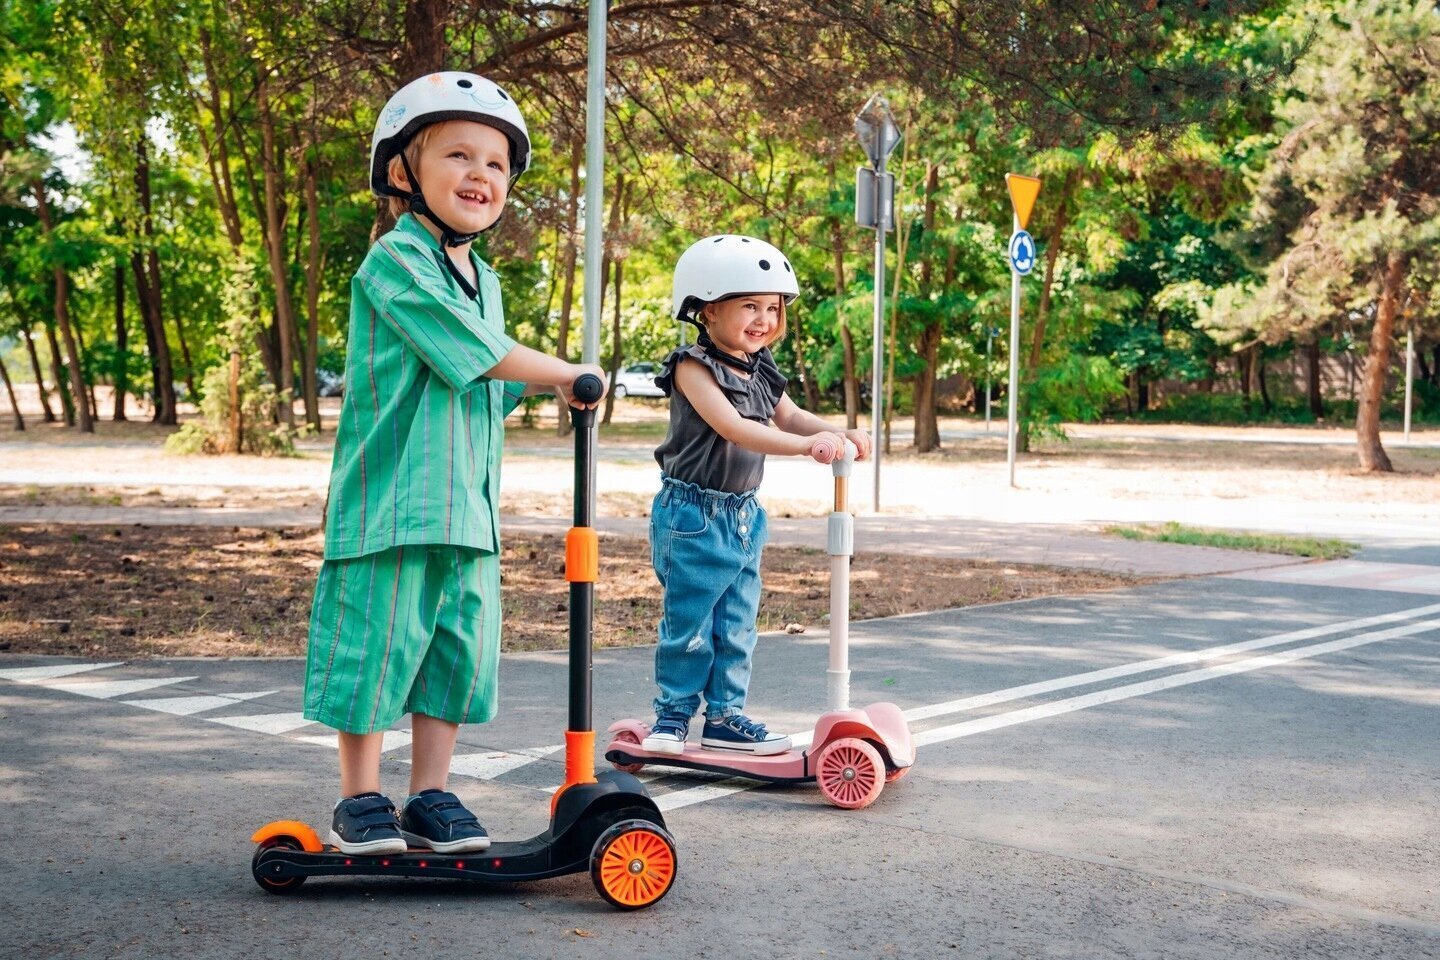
x=633 y=864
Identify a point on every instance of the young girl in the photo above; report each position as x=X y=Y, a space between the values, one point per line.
x=728 y=409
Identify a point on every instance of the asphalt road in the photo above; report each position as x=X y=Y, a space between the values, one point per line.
x=1220 y=767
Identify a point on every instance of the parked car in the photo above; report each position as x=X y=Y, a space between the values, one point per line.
x=638 y=380
x=328 y=383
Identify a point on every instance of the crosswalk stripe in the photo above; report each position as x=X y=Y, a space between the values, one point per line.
x=393 y=740
x=185 y=706
x=38 y=674
x=493 y=763
x=105 y=689
x=265 y=722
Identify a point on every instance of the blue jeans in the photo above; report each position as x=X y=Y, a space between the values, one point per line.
x=705 y=546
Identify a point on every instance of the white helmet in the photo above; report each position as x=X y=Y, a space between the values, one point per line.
x=438 y=97
x=728 y=265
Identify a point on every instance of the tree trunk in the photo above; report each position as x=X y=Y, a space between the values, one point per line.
x=148 y=292
x=62 y=316
x=87 y=375
x=62 y=382
x=1243 y=364
x=1260 y=379
x=567 y=295
x=121 y=373
x=1373 y=458
x=48 y=415
x=927 y=424
x=14 y=404
x=311 y=360
x=1312 y=379
x=275 y=247
x=1037 y=338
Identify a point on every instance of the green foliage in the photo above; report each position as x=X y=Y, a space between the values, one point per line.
x=1172 y=532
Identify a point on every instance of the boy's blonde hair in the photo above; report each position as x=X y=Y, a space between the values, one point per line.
x=396 y=171
x=779 y=327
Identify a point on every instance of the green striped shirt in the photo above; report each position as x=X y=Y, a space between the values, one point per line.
x=417 y=451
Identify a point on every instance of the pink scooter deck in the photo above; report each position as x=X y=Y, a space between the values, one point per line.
x=880 y=723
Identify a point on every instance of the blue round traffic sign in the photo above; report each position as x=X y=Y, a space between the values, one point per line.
x=1022 y=252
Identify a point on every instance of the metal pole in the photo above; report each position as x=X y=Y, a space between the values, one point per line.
x=1409 y=379
x=594 y=180
x=1014 y=362
x=989 y=339
x=876 y=397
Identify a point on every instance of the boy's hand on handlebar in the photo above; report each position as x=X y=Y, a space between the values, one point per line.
x=577 y=370
x=825 y=447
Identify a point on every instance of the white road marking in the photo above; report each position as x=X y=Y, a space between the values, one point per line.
x=266 y=722
x=185 y=706
x=105 y=689
x=393 y=740
x=1146 y=666
x=493 y=763
x=1111 y=695
x=37 y=674
x=1046 y=710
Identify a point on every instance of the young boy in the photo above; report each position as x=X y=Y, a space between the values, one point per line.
x=406 y=617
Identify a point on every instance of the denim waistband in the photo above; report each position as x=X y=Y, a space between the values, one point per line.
x=673 y=489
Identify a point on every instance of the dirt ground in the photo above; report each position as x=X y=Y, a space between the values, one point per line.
x=141 y=591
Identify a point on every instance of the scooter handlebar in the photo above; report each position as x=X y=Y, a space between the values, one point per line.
x=824 y=449
x=588 y=388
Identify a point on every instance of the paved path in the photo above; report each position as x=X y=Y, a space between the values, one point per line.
x=1218 y=768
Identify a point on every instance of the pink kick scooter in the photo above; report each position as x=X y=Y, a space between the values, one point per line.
x=853 y=751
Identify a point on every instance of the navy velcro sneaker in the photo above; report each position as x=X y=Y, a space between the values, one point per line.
x=744 y=735
x=366 y=823
x=438 y=820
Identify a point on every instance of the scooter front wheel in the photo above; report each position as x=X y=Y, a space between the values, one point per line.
x=269 y=883
x=850 y=773
x=633 y=864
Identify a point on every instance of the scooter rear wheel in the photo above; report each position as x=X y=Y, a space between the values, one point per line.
x=275 y=884
x=897 y=774
x=625 y=736
x=850 y=773
x=633 y=864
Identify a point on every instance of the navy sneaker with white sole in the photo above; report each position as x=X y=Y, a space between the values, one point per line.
x=742 y=735
x=438 y=820
x=668 y=735
x=366 y=823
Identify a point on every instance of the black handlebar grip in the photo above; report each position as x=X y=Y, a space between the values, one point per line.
x=588 y=388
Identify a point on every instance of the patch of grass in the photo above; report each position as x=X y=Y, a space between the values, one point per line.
x=1173 y=532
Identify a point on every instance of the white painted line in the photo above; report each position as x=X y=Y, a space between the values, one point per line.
x=488 y=766
x=265 y=722
x=1045 y=710
x=105 y=689
x=185 y=706
x=37 y=674
x=1146 y=666
x=710 y=791
x=393 y=740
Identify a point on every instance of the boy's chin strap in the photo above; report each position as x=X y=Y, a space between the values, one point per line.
x=448 y=236
x=749 y=364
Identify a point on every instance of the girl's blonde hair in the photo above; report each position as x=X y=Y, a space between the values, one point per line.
x=779 y=327
x=395 y=171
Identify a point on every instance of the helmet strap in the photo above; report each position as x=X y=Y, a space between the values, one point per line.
x=448 y=237
x=749 y=364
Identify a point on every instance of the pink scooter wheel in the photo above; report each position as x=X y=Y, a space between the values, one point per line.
x=625 y=736
x=850 y=773
x=897 y=774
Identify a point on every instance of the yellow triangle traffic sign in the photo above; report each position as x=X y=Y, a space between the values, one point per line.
x=1023 y=191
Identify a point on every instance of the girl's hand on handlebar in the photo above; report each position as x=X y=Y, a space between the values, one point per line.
x=825 y=447
x=861 y=439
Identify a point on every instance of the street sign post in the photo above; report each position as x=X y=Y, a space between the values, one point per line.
x=1021 y=256
x=594 y=180
x=875 y=207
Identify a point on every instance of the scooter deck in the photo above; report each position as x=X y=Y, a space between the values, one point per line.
x=505 y=861
x=789 y=767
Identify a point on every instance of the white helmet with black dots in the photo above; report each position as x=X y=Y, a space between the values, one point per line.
x=435 y=98
x=728 y=265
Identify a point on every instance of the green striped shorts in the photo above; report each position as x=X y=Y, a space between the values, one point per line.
x=412 y=629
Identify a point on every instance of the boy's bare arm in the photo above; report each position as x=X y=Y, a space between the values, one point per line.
x=536 y=369
x=705 y=395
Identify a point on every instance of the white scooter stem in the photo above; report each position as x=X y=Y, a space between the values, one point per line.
x=840 y=544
